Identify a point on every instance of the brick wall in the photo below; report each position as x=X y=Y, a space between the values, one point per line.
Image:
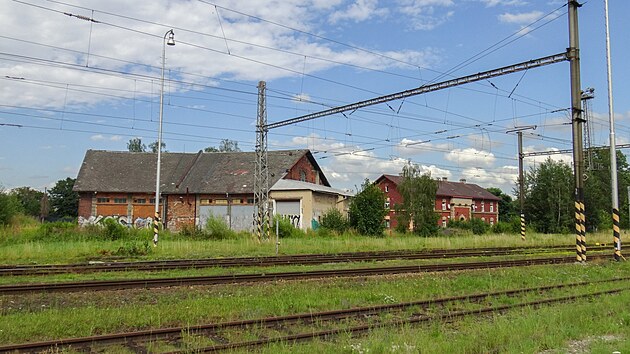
x=304 y=168
x=181 y=210
x=85 y=204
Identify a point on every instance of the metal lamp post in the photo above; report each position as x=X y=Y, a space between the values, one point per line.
x=169 y=38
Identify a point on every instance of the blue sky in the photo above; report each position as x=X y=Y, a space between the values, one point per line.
x=69 y=84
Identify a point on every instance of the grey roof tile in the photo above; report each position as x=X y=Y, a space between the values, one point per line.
x=453 y=189
x=217 y=172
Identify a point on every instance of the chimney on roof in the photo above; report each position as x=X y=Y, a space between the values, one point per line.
x=462 y=180
x=444 y=178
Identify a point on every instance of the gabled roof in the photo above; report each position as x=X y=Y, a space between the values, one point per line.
x=293 y=185
x=451 y=189
x=215 y=172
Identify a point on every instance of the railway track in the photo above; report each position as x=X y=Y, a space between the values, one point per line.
x=305 y=259
x=138 y=340
x=266 y=277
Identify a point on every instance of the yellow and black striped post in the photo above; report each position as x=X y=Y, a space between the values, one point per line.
x=580 y=232
x=156 y=229
x=522 y=226
x=583 y=223
x=616 y=238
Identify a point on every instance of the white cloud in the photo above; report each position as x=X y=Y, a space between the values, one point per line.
x=302 y=97
x=358 y=11
x=471 y=157
x=426 y=14
x=101 y=137
x=58 y=86
x=520 y=18
x=493 y=3
x=503 y=178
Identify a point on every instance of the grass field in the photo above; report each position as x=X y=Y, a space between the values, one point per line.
x=590 y=325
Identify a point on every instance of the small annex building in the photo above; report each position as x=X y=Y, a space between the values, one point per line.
x=194 y=186
x=453 y=201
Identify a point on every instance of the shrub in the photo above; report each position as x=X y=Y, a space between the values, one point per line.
x=59 y=230
x=427 y=229
x=286 y=228
x=113 y=230
x=502 y=227
x=216 y=228
x=9 y=207
x=138 y=248
x=192 y=232
x=335 y=221
x=478 y=226
x=459 y=224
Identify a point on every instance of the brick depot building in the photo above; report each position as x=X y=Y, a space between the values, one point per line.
x=193 y=186
x=453 y=201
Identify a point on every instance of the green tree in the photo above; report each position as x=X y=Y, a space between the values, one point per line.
x=367 y=210
x=226 y=145
x=597 y=191
x=136 y=145
x=334 y=220
x=507 y=207
x=154 y=147
x=418 y=192
x=30 y=199
x=549 y=198
x=63 y=200
x=9 y=207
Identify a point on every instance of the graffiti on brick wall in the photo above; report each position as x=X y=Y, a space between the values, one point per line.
x=138 y=223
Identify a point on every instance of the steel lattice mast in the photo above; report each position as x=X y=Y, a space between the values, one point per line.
x=261 y=175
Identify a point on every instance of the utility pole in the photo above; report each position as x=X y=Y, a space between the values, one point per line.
x=613 y=151
x=261 y=176
x=577 y=122
x=521 y=177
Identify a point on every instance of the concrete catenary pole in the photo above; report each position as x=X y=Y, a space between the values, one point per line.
x=577 y=123
x=613 y=150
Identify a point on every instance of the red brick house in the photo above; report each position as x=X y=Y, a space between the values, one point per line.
x=121 y=185
x=453 y=201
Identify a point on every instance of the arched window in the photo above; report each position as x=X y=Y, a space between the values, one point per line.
x=302 y=175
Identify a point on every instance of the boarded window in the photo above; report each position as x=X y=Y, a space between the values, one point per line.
x=220 y=201
x=205 y=201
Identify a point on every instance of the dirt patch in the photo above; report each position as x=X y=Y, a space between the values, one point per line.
x=581 y=346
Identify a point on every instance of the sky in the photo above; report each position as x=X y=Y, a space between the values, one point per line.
x=78 y=75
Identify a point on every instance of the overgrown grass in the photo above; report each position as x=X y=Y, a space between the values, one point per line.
x=66 y=242
x=45 y=316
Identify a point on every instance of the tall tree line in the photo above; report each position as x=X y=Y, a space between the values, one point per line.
x=549 y=194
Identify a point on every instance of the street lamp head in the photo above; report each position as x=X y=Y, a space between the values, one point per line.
x=170 y=40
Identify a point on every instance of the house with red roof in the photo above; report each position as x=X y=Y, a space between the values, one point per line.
x=453 y=201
